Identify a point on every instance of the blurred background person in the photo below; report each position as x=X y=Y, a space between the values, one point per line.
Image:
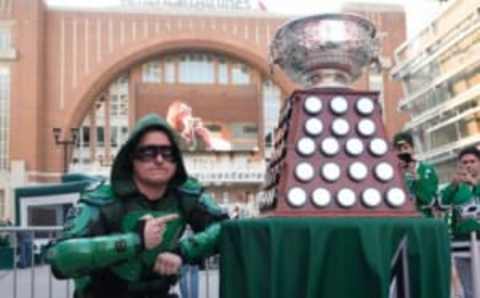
x=195 y=136
x=421 y=179
x=463 y=195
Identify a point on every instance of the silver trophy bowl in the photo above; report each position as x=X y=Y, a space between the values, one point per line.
x=327 y=50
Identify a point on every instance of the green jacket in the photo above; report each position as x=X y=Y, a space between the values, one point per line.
x=459 y=197
x=424 y=187
x=102 y=243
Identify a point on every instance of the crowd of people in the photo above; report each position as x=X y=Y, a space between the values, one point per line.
x=457 y=202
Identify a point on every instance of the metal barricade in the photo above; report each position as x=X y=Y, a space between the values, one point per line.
x=470 y=250
x=30 y=277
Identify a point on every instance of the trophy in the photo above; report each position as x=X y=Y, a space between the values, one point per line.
x=331 y=156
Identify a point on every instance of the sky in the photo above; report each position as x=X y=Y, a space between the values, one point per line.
x=419 y=12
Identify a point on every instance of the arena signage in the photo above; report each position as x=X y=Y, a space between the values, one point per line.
x=191 y=4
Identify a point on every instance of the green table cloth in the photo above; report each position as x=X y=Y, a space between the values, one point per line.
x=331 y=257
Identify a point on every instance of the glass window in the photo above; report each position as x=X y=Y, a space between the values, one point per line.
x=240 y=74
x=5 y=38
x=196 y=68
x=85 y=136
x=100 y=136
x=445 y=135
x=4 y=117
x=114 y=136
x=271 y=108
x=222 y=71
x=152 y=72
x=169 y=71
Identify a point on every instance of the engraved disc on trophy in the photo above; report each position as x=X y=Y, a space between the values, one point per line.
x=331 y=172
x=354 y=147
x=296 y=197
x=358 y=171
x=384 y=172
x=346 y=197
x=330 y=146
x=313 y=105
x=339 y=105
x=378 y=147
x=340 y=127
x=321 y=197
x=313 y=127
x=366 y=128
x=306 y=146
x=304 y=172
x=396 y=197
x=365 y=106
x=371 y=197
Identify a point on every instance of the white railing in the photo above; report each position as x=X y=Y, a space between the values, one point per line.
x=469 y=250
x=472 y=60
x=24 y=273
x=443 y=107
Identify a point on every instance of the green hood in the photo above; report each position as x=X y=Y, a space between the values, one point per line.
x=122 y=169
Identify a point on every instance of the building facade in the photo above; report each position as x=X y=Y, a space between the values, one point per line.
x=440 y=72
x=92 y=72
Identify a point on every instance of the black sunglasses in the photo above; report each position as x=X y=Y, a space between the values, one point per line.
x=150 y=152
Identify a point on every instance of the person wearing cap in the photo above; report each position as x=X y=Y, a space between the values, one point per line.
x=123 y=240
x=421 y=179
x=463 y=195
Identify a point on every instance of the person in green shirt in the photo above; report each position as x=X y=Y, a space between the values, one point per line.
x=463 y=195
x=421 y=179
x=123 y=240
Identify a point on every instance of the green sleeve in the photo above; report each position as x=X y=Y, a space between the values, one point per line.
x=456 y=194
x=205 y=221
x=84 y=249
x=426 y=186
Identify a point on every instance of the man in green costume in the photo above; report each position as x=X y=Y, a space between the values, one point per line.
x=122 y=240
x=463 y=194
x=421 y=179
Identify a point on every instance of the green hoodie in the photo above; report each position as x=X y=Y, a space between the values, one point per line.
x=102 y=242
x=459 y=196
x=423 y=187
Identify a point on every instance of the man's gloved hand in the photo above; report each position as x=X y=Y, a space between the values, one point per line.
x=154 y=228
x=167 y=263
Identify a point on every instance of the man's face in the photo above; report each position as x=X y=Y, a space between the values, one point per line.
x=154 y=162
x=404 y=148
x=471 y=164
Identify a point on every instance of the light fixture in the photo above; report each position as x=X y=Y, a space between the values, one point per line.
x=296 y=197
x=321 y=197
x=314 y=127
x=313 y=105
x=346 y=197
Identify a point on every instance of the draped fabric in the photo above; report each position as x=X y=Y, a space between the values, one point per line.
x=331 y=257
